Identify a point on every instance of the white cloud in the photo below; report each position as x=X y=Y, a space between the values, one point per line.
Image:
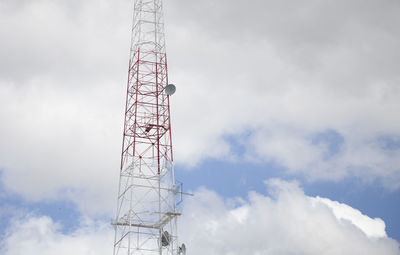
x=60 y=145
x=371 y=227
x=285 y=222
x=40 y=235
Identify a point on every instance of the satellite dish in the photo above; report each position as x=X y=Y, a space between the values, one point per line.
x=165 y=238
x=170 y=89
x=182 y=249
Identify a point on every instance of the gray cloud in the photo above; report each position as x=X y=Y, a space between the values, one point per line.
x=287 y=71
x=281 y=71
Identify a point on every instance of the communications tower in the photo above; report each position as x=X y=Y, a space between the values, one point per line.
x=146 y=219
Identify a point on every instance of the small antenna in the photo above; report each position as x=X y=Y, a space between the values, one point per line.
x=165 y=239
x=182 y=250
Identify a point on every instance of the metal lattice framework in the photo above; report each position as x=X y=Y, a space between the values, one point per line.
x=146 y=214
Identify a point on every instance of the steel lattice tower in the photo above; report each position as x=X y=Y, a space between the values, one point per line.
x=146 y=214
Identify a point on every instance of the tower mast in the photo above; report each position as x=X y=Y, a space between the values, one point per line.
x=146 y=213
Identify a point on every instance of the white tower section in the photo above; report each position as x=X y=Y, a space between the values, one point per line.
x=146 y=213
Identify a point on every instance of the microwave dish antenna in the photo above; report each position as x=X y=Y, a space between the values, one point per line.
x=170 y=89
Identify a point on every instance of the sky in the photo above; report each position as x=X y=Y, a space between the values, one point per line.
x=285 y=124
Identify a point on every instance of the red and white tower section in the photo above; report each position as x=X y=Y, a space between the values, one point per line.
x=146 y=220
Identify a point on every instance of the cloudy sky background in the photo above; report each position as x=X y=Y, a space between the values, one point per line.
x=285 y=115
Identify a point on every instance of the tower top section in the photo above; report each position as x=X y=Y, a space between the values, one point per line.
x=148 y=26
